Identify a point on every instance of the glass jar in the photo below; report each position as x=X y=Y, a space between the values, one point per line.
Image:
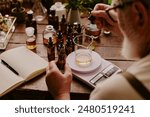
x=47 y=33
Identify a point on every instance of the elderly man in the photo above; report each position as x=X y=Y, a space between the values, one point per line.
x=130 y=19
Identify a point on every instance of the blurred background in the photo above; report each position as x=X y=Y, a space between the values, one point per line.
x=7 y=5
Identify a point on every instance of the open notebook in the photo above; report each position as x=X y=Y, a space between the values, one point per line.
x=98 y=71
x=17 y=66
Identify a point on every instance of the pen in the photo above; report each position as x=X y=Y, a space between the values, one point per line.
x=9 y=67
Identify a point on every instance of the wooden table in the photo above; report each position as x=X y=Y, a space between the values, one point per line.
x=109 y=49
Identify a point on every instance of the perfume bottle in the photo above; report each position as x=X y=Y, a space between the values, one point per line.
x=63 y=24
x=51 y=50
x=60 y=40
x=31 y=39
x=51 y=17
x=61 y=58
x=31 y=22
x=69 y=47
x=49 y=32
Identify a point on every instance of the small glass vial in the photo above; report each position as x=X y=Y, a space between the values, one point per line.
x=70 y=30
x=47 y=33
x=63 y=25
x=51 y=50
x=69 y=47
x=31 y=39
x=59 y=37
x=51 y=17
x=56 y=25
x=31 y=22
x=61 y=59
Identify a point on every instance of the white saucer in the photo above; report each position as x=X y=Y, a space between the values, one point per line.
x=96 y=62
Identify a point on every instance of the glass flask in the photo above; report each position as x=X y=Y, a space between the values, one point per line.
x=39 y=11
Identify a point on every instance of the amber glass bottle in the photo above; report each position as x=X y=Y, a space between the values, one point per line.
x=63 y=25
x=61 y=58
x=51 y=50
x=69 y=45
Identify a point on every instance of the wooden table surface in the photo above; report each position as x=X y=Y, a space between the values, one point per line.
x=109 y=48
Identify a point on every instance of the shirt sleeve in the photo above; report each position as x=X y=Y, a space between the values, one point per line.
x=114 y=88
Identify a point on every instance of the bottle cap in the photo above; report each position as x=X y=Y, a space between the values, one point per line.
x=30 y=12
x=29 y=31
x=49 y=27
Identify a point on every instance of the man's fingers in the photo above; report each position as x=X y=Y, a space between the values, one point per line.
x=52 y=65
x=99 y=13
x=67 y=70
x=102 y=16
x=101 y=6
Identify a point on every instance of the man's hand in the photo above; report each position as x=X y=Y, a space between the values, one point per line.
x=58 y=84
x=103 y=21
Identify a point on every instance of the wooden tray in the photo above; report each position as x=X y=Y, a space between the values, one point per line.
x=5 y=39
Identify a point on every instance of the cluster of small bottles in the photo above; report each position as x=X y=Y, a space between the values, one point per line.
x=59 y=36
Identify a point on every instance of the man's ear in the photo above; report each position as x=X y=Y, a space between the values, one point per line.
x=140 y=13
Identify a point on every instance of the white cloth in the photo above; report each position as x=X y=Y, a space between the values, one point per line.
x=117 y=87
